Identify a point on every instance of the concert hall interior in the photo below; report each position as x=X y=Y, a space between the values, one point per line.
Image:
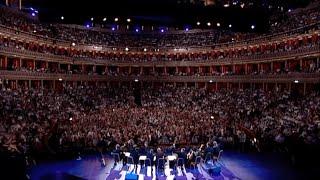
x=161 y=89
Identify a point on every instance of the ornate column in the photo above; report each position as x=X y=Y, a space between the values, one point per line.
x=266 y=86
x=69 y=67
x=34 y=65
x=129 y=70
x=246 y=68
x=118 y=69
x=286 y=64
x=54 y=85
x=5 y=62
x=41 y=84
x=211 y=70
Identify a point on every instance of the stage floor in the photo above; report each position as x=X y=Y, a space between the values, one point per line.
x=234 y=165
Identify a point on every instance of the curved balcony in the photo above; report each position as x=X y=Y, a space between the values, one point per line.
x=271 y=78
x=16 y=33
x=294 y=54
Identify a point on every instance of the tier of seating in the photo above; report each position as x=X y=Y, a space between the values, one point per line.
x=153 y=40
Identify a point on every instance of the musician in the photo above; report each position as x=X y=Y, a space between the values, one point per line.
x=182 y=154
x=150 y=155
x=208 y=149
x=117 y=151
x=170 y=150
x=134 y=153
x=200 y=151
x=144 y=150
x=216 y=150
x=191 y=157
x=123 y=149
x=159 y=155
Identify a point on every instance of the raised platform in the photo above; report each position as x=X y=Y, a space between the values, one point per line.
x=233 y=166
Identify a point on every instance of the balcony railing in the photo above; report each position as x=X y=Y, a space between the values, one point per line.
x=27 y=75
x=263 y=38
x=308 y=51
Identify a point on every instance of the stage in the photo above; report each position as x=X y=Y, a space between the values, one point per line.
x=233 y=165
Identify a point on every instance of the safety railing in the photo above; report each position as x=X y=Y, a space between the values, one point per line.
x=29 y=75
x=263 y=38
x=307 y=51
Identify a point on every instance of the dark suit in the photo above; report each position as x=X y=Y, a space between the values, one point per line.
x=143 y=151
x=182 y=155
x=150 y=156
x=158 y=156
x=134 y=153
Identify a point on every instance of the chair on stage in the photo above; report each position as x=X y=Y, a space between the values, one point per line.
x=196 y=172
x=147 y=162
x=180 y=162
x=130 y=161
x=208 y=157
x=219 y=158
x=116 y=158
x=160 y=164
x=197 y=161
x=142 y=160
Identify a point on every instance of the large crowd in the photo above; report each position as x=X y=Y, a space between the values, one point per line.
x=211 y=38
x=37 y=122
x=258 y=51
x=295 y=18
x=156 y=41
